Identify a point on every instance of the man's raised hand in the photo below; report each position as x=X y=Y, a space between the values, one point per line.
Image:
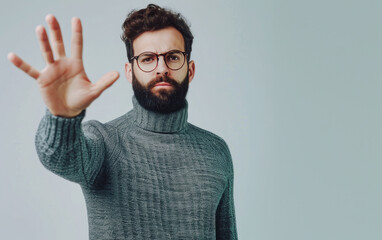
x=64 y=86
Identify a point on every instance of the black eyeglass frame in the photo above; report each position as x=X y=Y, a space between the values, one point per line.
x=164 y=58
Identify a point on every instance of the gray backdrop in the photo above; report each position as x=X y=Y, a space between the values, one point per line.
x=294 y=87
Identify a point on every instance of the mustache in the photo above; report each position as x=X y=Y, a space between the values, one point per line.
x=159 y=79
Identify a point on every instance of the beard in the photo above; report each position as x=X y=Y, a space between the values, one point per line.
x=165 y=100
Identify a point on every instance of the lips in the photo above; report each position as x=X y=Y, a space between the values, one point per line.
x=163 y=84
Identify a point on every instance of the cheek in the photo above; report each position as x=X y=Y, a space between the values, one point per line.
x=143 y=77
x=180 y=74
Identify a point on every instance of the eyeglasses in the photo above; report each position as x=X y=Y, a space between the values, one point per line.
x=148 y=61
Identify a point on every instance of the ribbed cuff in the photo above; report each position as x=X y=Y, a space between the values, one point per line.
x=59 y=130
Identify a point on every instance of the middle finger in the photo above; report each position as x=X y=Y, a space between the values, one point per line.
x=56 y=36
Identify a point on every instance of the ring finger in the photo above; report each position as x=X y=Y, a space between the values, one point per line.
x=46 y=50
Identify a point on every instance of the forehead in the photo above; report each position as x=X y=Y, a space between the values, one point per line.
x=159 y=41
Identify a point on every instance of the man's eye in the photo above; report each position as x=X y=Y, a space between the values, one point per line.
x=147 y=59
x=173 y=58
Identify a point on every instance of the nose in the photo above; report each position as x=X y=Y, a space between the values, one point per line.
x=162 y=68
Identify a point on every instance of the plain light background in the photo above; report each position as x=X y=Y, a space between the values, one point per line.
x=294 y=87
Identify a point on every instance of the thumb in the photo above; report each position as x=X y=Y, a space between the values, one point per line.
x=104 y=82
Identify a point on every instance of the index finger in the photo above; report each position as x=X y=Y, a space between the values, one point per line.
x=76 y=43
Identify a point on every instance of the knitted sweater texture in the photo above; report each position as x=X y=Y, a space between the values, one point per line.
x=144 y=175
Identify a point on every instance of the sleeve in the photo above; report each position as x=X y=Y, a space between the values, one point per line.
x=70 y=150
x=225 y=214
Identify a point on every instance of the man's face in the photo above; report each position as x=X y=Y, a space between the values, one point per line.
x=162 y=90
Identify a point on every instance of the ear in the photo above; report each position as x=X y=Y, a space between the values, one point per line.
x=128 y=72
x=191 y=71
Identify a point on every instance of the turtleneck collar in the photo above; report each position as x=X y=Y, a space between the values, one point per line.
x=159 y=122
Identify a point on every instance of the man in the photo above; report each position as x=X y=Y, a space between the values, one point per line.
x=148 y=174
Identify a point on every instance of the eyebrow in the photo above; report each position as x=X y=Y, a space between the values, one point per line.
x=159 y=53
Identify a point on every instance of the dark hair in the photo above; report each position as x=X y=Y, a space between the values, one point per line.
x=153 y=18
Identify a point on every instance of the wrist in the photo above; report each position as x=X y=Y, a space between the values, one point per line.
x=66 y=114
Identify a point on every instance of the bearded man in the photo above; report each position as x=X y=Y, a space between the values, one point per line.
x=148 y=174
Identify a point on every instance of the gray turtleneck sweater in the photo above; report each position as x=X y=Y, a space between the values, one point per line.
x=144 y=175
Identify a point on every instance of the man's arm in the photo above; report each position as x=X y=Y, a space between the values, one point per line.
x=225 y=214
x=61 y=143
x=70 y=149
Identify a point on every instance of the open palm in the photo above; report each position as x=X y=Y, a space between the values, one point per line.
x=64 y=86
